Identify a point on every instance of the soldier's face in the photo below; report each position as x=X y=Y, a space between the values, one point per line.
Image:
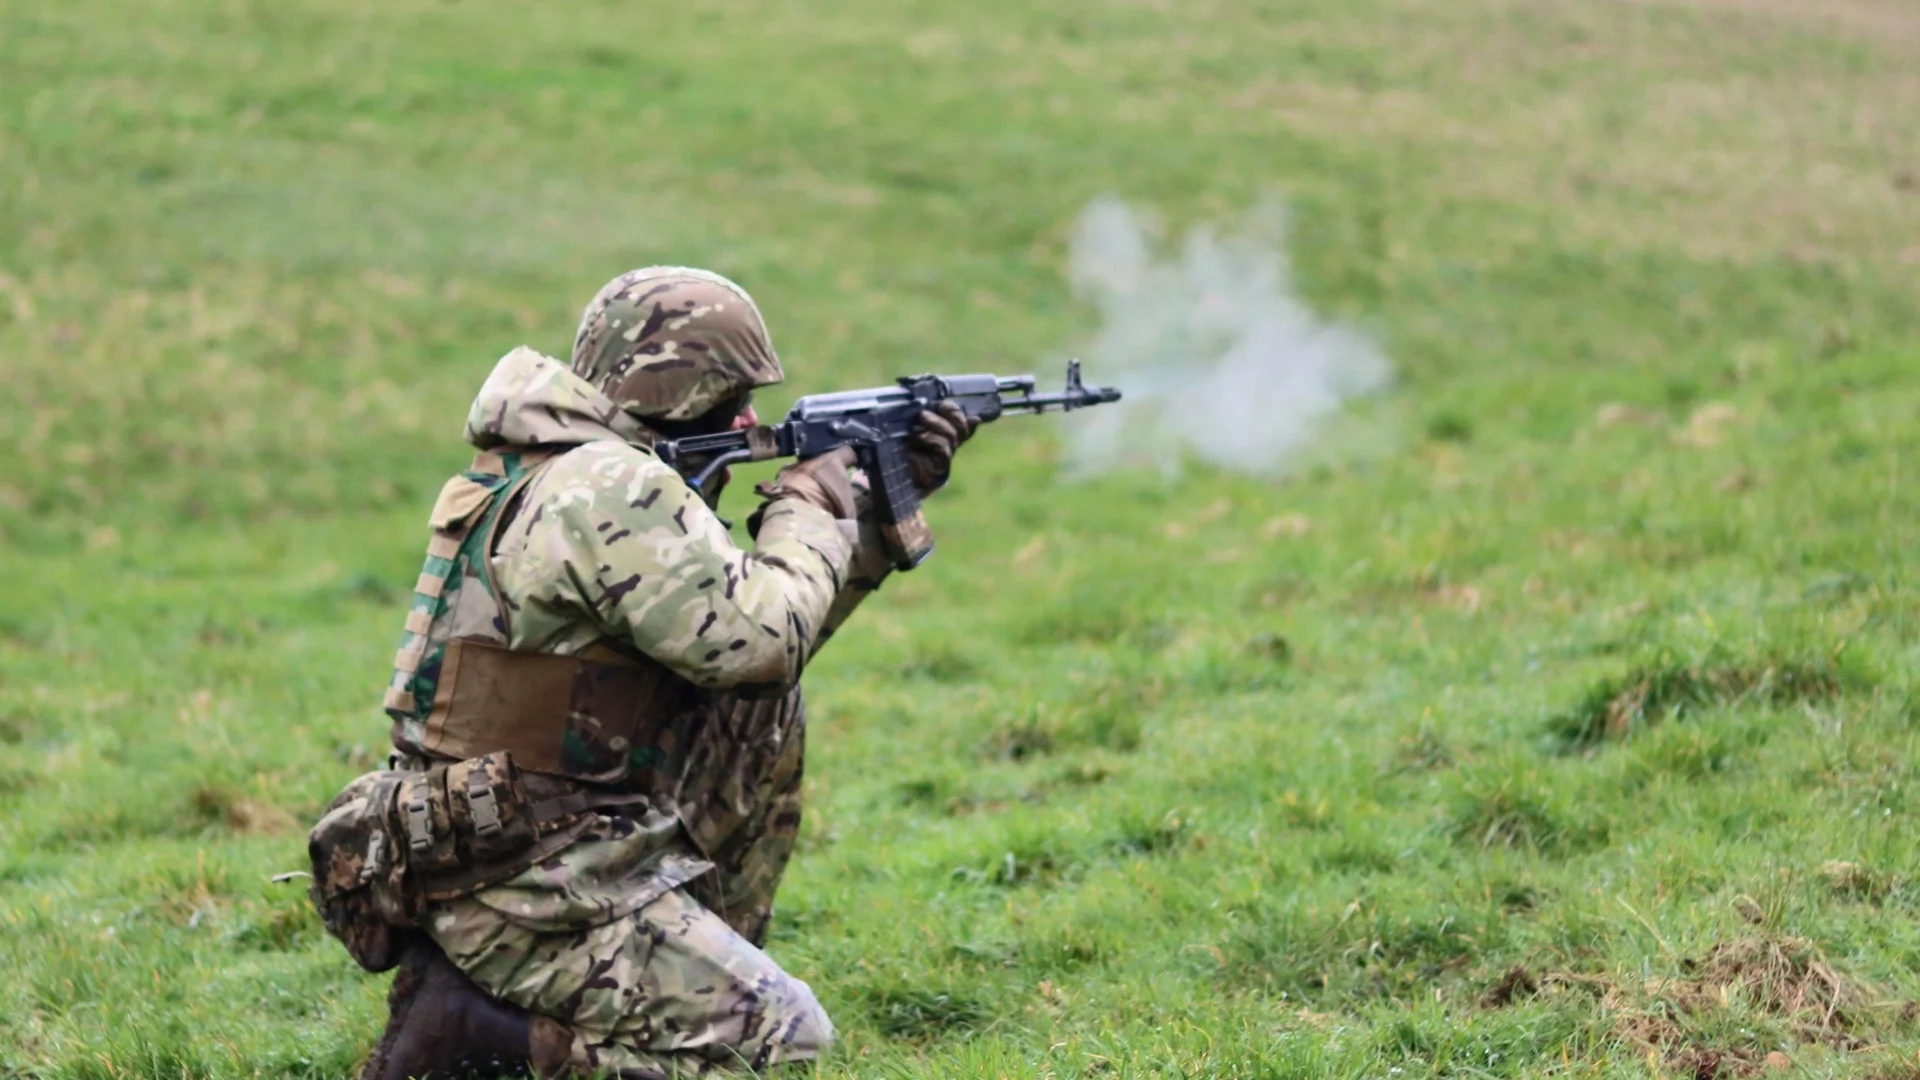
x=745 y=419
x=734 y=415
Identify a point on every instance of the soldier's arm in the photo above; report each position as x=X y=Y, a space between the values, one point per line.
x=869 y=566
x=640 y=552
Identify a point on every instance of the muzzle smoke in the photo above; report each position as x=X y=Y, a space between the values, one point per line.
x=1219 y=359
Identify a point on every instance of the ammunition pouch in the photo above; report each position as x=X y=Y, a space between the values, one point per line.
x=358 y=877
x=585 y=718
x=394 y=840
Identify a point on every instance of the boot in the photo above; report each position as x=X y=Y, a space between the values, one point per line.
x=440 y=1026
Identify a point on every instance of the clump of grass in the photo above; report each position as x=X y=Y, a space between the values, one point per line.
x=1278 y=592
x=919 y=1014
x=1694 y=752
x=367 y=587
x=1517 y=808
x=1312 y=810
x=1109 y=716
x=988 y=952
x=1277 y=949
x=16 y=726
x=283 y=927
x=1855 y=881
x=925 y=791
x=1113 y=717
x=1084 y=774
x=1272 y=646
x=1355 y=853
x=965 y=803
x=1369 y=949
x=149 y=1053
x=1027 y=738
x=1450 y=427
x=1035 y=863
x=17 y=776
x=1033 y=867
x=1066 y=948
x=1515 y=897
x=1090 y=613
x=1421 y=750
x=940 y=665
x=220 y=805
x=1169 y=832
x=1047 y=860
x=1667 y=690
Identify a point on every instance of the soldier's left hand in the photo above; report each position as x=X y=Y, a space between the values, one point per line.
x=931 y=448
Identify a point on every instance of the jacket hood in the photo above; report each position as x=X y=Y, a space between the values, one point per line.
x=534 y=400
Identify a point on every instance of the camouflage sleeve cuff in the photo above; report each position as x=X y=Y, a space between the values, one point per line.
x=791 y=530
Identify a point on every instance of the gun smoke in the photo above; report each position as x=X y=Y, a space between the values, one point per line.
x=1219 y=358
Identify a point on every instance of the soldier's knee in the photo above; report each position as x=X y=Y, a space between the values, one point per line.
x=806 y=1032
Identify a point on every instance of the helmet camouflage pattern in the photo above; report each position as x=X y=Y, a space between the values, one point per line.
x=671 y=342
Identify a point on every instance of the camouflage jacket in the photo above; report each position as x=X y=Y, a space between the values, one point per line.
x=608 y=547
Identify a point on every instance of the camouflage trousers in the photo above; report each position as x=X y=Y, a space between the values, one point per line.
x=668 y=990
x=646 y=946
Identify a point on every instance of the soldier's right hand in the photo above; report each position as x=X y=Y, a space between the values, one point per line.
x=931 y=448
x=821 y=481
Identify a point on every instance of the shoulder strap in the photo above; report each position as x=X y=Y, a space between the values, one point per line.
x=465 y=501
x=505 y=501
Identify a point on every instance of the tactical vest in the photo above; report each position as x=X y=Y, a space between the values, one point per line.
x=511 y=751
x=608 y=717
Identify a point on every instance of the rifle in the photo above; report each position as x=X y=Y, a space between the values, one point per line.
x=876 y=423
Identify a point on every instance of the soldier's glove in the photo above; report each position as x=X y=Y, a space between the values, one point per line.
x=931 y=447
x=820 y=481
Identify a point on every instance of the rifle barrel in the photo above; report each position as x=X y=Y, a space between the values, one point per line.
x=1080 y=399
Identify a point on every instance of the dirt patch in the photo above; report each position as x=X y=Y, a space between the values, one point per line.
x=1734 y=1011
x=1518 y=983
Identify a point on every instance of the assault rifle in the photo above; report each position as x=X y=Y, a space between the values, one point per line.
x=876 y=423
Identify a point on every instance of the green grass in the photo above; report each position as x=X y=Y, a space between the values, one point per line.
x=1571 y=731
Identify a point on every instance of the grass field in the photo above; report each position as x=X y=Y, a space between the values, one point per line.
x=1572 y=733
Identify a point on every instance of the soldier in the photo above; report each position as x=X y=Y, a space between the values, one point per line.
x=586 y=612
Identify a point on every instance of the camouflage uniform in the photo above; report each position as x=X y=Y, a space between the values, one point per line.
x=643 y=936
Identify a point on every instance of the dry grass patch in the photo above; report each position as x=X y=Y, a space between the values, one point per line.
x=1890 y=25
x=241 y=813
x=1739 y=1009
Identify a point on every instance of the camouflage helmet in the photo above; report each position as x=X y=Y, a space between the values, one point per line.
x=671 y=342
